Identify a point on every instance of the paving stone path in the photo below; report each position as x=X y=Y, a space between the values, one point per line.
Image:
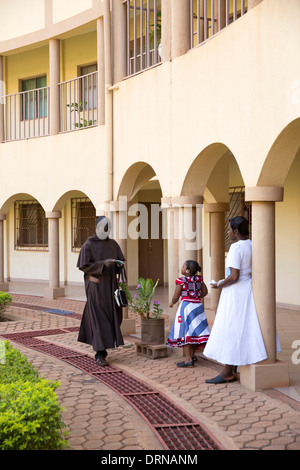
x=99 y=418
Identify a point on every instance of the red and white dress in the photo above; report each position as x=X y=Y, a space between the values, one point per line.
x=190 y=324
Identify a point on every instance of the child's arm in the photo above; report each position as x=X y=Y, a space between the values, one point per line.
x=176 y=295
x=204 y=290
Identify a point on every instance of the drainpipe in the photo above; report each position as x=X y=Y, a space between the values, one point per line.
x=2 y=92
x=108 y=103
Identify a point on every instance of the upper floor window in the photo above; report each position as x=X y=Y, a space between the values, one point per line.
x=78 y=99
x=143 y=34
x=89 y=86
x=31 y=226
x=34 y=98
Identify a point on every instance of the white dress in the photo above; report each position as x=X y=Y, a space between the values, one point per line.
x=236 y=337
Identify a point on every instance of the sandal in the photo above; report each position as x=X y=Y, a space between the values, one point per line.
x=220 y=380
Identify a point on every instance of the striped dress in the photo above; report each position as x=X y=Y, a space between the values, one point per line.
x=190 y=325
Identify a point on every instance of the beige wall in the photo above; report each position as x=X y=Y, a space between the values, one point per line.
x=288 y=239
x=30 y=17
x=64 y=9
x=233 y=93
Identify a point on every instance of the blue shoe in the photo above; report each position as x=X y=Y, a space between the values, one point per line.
x=220 y=380
x=185 y=364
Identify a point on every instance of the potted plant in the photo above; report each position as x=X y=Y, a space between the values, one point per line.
x=158 y=32
x=152 y=325
x=77 y=108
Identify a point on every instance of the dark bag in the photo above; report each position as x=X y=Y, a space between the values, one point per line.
x=120 y=298
x=119 y=294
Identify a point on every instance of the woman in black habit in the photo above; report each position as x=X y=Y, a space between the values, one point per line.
x=101 y=320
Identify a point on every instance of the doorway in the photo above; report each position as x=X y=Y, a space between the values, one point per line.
x=151 y=254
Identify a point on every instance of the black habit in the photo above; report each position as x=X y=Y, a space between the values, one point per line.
x=101 y=320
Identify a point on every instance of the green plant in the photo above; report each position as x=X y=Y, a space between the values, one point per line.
x=29 y=412
x=77 y=108
x=124 y=287
x=5 y=301
x=158 y=28
x=141 y=302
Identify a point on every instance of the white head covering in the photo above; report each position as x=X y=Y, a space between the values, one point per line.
x=103 y=227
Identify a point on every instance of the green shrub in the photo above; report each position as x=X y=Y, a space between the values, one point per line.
x=29 y=411
x=5 y=301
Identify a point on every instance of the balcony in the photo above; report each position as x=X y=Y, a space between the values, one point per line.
x=210 y=16
x=27 y=113
x=27 y=116
x=78 y=103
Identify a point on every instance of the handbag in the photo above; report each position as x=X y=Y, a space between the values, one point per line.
x=120 y=298
x=119 y=294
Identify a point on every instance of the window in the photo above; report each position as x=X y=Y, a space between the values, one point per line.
x=238 y=206
x=83 y=221
x=34 y=98
x=31 y=226
x=89 y=86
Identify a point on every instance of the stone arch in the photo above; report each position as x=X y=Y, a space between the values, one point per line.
x=134 y=179
x=212 y=161
x=60 y=203
x=281 y=156
x=9 y=201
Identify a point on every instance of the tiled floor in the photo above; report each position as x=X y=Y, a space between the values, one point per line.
x=288 y=327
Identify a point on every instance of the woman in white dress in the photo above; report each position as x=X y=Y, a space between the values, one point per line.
x=236 y=337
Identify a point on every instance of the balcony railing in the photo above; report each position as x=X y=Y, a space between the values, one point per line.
x=210 y=16
x=143 y=34
x=78 y=102
x=26 y=114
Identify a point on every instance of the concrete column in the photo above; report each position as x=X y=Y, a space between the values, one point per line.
x=217 y=245
x=108 y=167
x=119 y=26
x=180 y=27
x=2 y=92
x=270 y=373
x=54 y=290
x=171 y=229
x=184 y=231
x=166 y=30
x=3 y=285
x=101 y=72
x=189 y=227
x=54 y=67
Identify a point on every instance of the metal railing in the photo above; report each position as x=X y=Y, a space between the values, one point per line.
x=210 y=16
x=238 y=206
x=78 y=102
x=143 y=34
x=26 y=114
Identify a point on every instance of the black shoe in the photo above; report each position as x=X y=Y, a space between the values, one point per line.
x=101 y=354
x=101 y=361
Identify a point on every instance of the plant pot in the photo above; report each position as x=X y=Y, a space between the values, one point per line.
x=153 y=330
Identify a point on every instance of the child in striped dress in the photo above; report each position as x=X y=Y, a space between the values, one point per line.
x=190 y=327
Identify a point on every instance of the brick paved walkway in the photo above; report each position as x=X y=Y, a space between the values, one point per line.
x=98 y=418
